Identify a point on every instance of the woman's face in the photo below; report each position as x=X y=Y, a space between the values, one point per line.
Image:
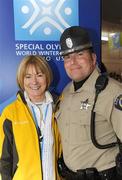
x=35 y=84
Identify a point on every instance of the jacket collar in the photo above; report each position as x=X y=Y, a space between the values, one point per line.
x=22 y=96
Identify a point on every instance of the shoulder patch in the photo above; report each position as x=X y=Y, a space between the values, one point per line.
x=118 y=102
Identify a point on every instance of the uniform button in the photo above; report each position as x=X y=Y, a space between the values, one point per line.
x=105 y=176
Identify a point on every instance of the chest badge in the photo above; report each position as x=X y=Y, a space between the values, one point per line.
x=84 y=105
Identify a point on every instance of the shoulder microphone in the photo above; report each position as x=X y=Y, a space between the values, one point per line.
x=101 y=83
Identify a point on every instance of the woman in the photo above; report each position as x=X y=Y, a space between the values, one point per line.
x=27 y=126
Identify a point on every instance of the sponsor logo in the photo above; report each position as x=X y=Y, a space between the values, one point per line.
x=44 y=19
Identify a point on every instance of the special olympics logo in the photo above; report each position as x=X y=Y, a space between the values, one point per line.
x=44 y=19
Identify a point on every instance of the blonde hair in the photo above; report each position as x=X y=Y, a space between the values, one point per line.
x=39 y=63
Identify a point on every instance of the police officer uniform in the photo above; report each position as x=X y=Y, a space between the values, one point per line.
x=74 y=117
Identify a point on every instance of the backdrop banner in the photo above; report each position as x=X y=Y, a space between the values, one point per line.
x=33 y=27
x=115 y=40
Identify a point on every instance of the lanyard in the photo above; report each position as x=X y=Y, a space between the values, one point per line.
x=38 y=128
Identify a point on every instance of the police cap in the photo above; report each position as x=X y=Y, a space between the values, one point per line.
x=74 y=39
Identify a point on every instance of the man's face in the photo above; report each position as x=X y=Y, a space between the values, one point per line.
x=79 y=65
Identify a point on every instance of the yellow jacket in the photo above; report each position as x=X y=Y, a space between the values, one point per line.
x=20 y=157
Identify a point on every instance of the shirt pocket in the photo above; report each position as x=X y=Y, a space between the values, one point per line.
x=80 y=127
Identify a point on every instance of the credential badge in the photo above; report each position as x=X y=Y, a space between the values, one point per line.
x=84 y=105
x=69 y=43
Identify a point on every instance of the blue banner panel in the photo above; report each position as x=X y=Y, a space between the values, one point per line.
x=115 y=40
x=34 y=27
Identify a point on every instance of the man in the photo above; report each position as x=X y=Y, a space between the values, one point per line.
x=89 y=113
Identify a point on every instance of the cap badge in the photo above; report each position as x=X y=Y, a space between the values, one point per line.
x=84 y=105
x=69 y=43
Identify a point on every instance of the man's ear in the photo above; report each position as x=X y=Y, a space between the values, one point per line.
x=94 y=57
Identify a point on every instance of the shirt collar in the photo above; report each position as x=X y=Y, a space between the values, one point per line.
x=48 y=99
x=89 y=84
